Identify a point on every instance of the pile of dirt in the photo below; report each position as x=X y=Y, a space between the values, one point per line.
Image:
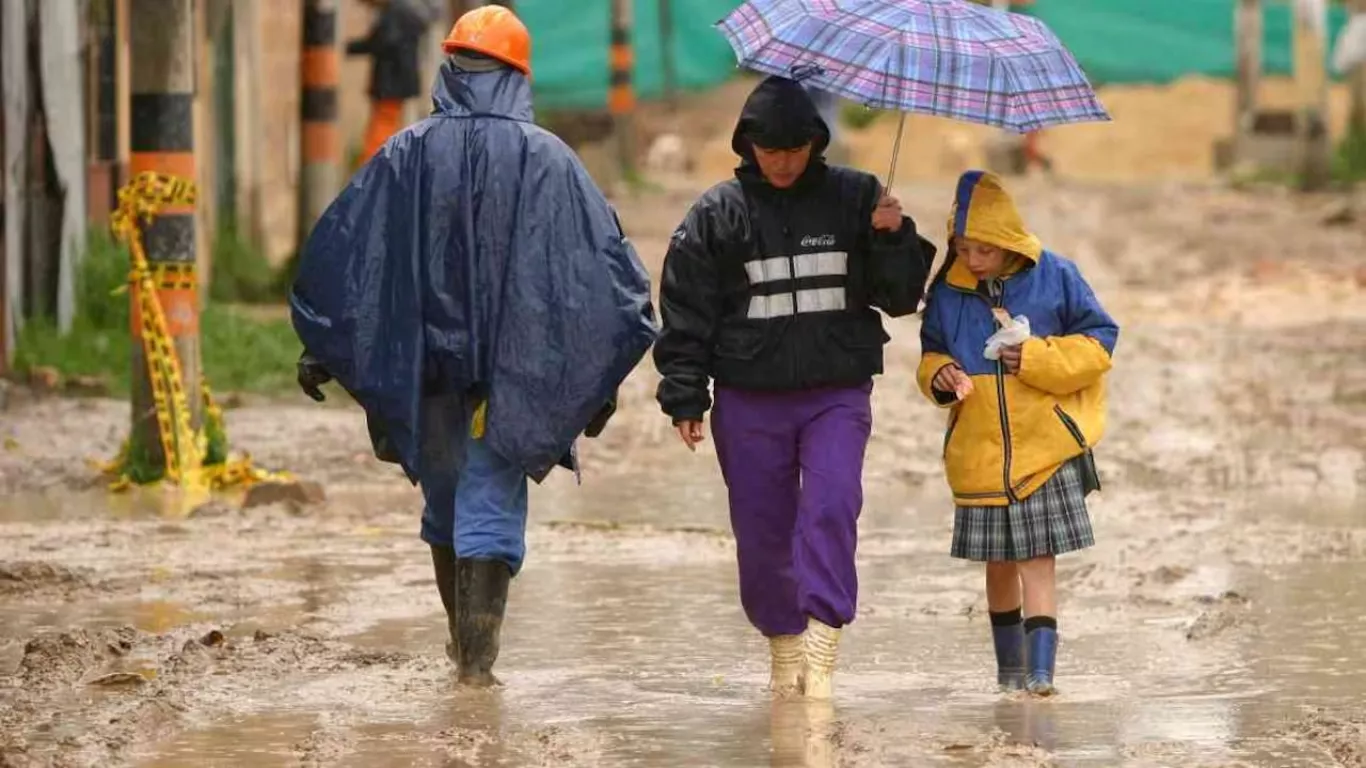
x=148 y=682
x=28 y=577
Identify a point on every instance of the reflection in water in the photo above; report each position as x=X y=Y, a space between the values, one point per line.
x=803 y=734
x=1028 y=721
x=159 y=616
x=476 y=728
x=314 y=574
x=628 y=647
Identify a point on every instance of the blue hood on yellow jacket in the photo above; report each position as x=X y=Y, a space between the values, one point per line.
x=1007 y=438
x=984 y=211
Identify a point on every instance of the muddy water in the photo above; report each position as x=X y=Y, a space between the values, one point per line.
x=624 y=647
x=1216 y=623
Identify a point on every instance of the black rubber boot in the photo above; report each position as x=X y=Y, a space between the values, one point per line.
x=481 y=596
x=443 y=563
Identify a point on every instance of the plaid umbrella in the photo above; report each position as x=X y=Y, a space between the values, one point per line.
x=949 y=58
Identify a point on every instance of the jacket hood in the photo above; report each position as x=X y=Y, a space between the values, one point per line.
x=504 y=92
x=984 y=211
x=779 y=114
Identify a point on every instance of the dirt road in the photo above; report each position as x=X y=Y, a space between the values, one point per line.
x=1217 y=623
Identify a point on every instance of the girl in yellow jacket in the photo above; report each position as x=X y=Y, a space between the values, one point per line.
x=1017 y=448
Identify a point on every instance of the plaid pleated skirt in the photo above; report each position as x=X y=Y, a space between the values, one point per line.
x=1051 y=521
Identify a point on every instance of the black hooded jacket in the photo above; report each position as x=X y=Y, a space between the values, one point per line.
x=775 y=289
x=392 y=45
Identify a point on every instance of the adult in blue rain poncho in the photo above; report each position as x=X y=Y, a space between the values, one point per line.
x=472 y=289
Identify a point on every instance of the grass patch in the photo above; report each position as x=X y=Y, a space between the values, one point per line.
x=239 y=352
x=1349 y=158
x=86 y=351
x=245 y=353
x=241 y=273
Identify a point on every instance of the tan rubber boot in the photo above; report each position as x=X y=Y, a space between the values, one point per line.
x=821 y=645
x=787 y=652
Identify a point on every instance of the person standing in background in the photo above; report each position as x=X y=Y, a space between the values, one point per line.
x=393 y=46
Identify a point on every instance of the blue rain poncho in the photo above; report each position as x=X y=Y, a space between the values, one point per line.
x=475 y=254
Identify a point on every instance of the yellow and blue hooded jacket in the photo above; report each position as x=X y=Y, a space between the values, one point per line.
x=1007 y=438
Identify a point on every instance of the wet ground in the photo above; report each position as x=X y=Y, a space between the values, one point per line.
x=1217 y=623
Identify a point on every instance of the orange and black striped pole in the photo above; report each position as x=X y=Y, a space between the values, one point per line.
x=621 y=98
x=320 y=139
x=161 y=138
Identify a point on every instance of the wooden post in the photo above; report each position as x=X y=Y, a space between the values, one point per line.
x=320 y=150
x=246 y=19
x=103 y=136
x=621 y=99
x=204 y=139
x=14 y=57
x=1356 y=117
x=1311 y=79
x=1247 y=23
x=123 y=98
x=666 y=50
x=6 y=347
x=222 y=71
x=161 y=108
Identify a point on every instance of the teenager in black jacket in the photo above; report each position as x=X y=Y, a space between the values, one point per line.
x=771 y=288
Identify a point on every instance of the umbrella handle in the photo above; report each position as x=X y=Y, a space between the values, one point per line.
x=896 y=151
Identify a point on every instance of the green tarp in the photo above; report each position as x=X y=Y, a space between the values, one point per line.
x=569 y=53
x=1116 y=41
x=1158 y=41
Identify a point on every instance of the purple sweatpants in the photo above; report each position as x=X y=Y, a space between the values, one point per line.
x=793 y=466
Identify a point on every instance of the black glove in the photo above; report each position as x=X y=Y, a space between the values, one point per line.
x=312 y=375
x=599 y=422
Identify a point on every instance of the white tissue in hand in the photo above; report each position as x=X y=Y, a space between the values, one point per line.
x=1011 y=335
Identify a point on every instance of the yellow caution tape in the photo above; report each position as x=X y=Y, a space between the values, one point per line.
x=184 y=448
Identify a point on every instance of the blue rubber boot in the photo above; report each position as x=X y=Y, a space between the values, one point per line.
x=1043 y=655
x=1010 y=656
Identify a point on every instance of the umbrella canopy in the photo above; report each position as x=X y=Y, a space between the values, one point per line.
x=949 y=58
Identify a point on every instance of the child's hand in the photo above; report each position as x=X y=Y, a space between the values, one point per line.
x=951 y=378
x=1011 y=357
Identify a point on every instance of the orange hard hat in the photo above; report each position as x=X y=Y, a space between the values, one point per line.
x=493 y=31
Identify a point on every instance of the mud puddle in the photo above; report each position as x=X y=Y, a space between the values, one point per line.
x=1216 y=623
x=620 y=662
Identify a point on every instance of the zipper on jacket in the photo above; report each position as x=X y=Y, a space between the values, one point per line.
x=1071 y=426
x=1001 y=407
x=1000 y=398
x=785 y=208
x=796 y=364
